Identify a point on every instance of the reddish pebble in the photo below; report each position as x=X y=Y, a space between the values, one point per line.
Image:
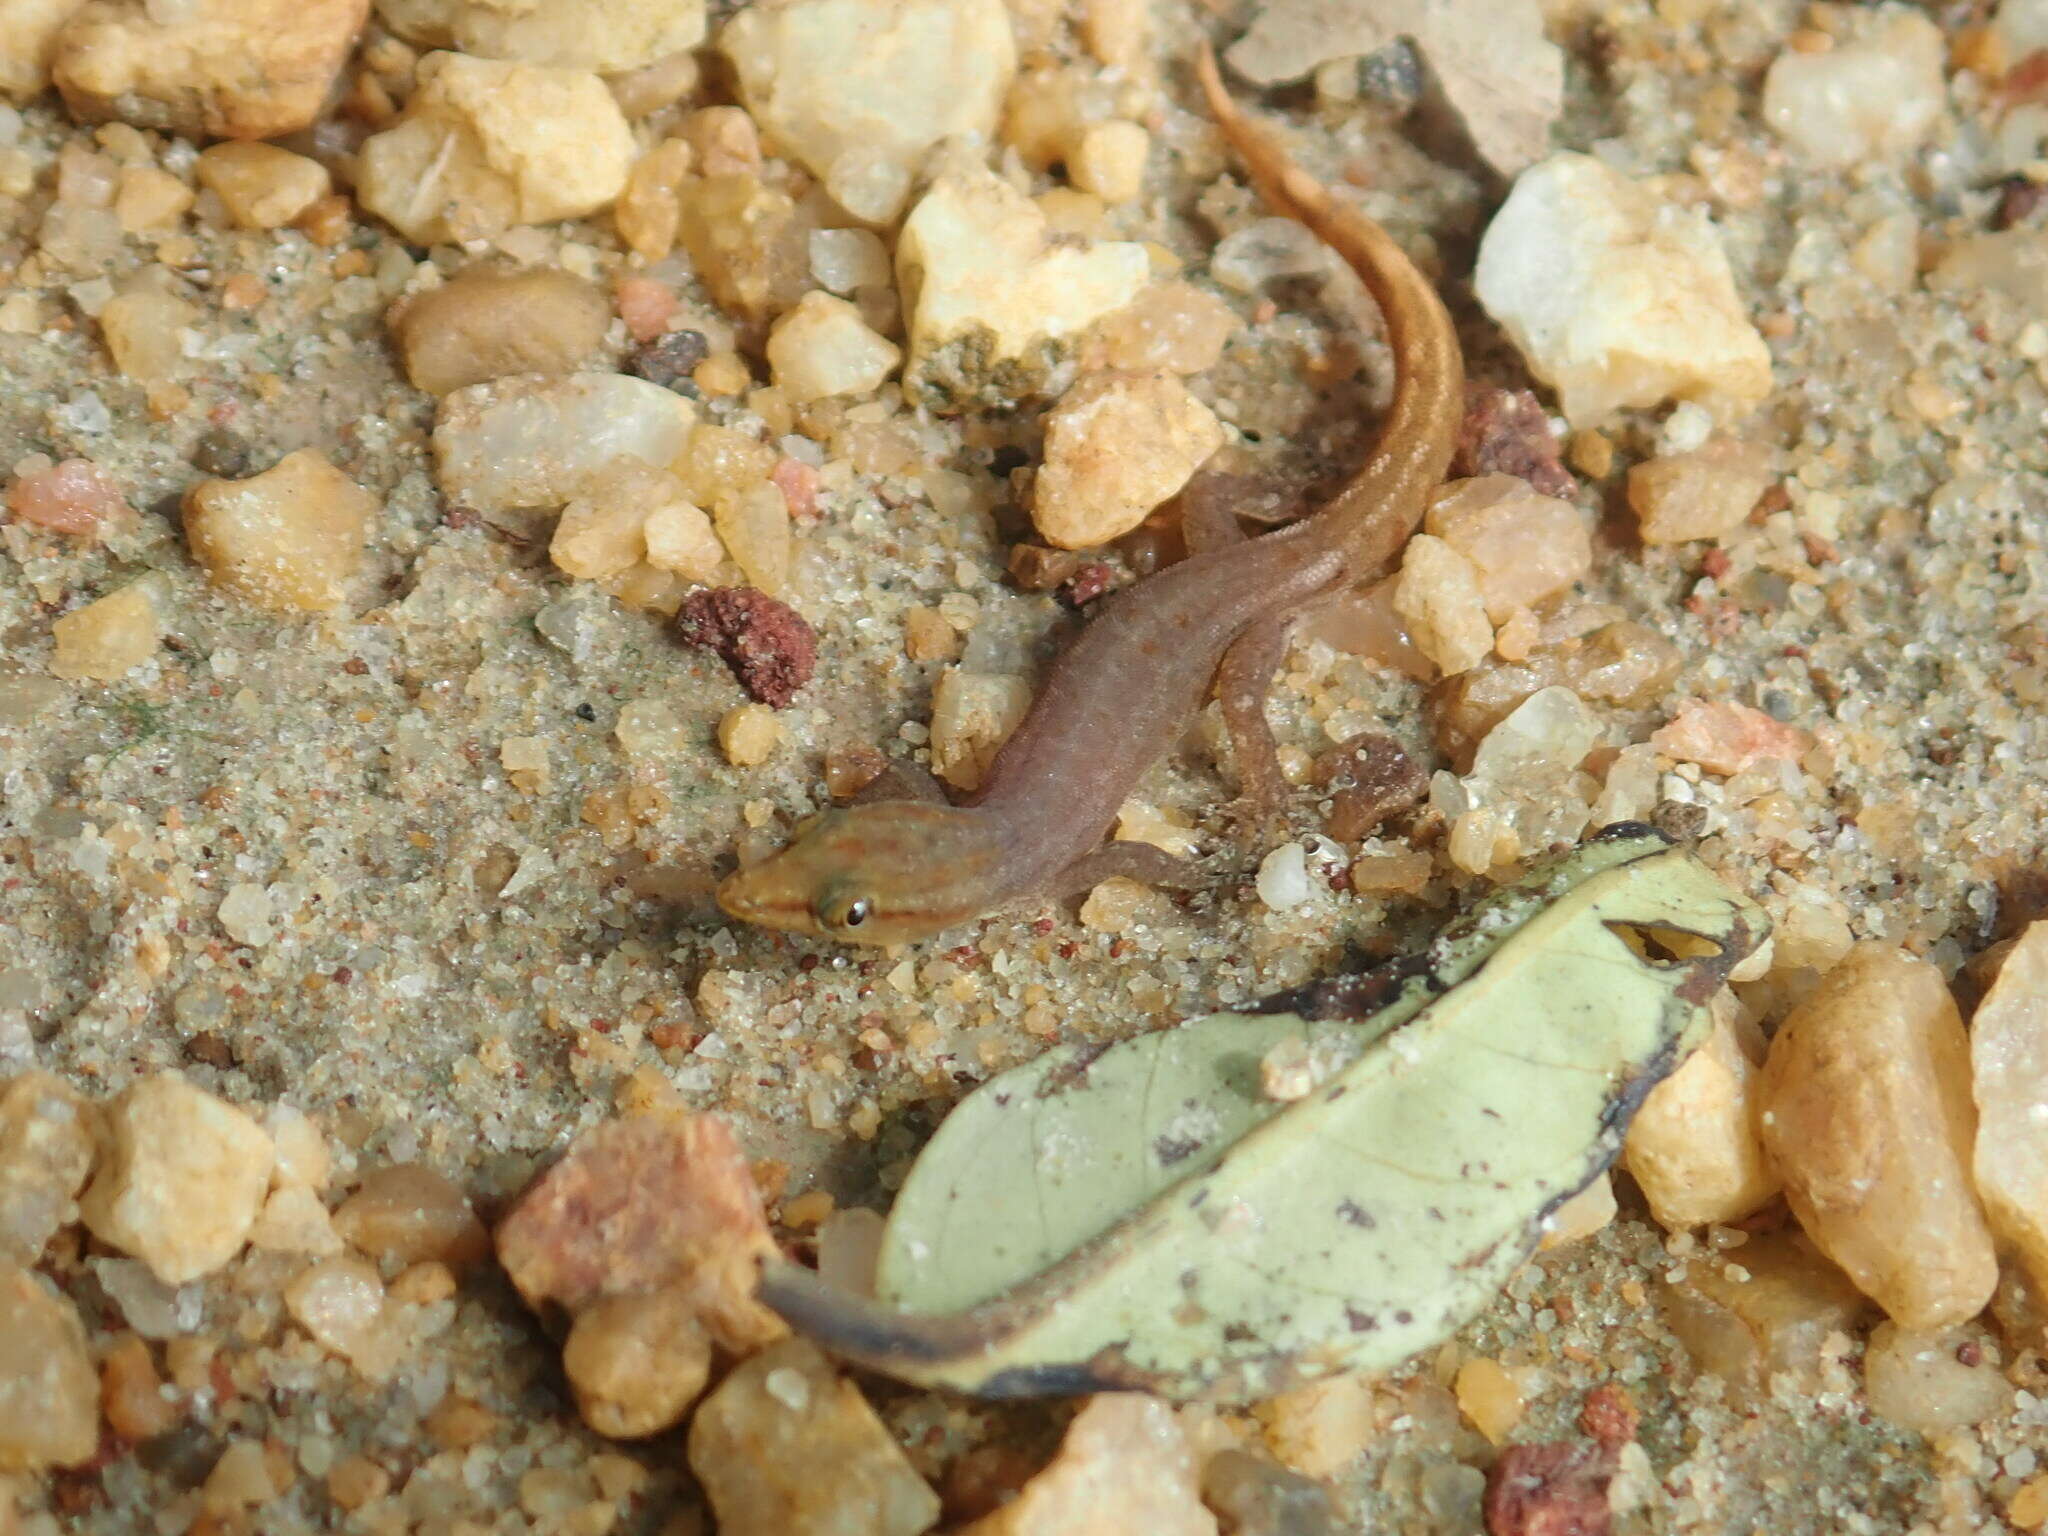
x=646 y=306
x=1727 y=738
x=1087 y=584
x=1549 y=1490
x=73 y=497
x=1507 y=432
x=798 y=483
x=647 y=1204
x=1610 y=1416
x=771 y=650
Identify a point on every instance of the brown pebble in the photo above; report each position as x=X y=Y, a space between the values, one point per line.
x=483 y=324
x=1036 y=568
x=644 y=1204
x=1610 y=1415
x=458 y=1422
x=637 y=1363
x=2019 y=199
x=131 y=1391
x=771 y=650
x=1091 y=581
x=407 y=1212
x=669 y=360
x=1558 y=1489
x=1507 y=432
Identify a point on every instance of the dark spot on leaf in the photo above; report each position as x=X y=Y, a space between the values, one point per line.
x=1171 y=1149
x=1356 y=1214
x=1239 y=1333
x=1360 y=1322
x=1404 y=1317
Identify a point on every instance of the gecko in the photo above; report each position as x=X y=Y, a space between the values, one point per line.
x=896 y=870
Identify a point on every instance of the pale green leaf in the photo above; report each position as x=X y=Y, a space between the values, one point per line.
x=1143 y=1216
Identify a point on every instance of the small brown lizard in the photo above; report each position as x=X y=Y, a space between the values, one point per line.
x=1114 y=701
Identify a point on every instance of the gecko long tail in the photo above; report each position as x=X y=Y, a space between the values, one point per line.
x=1384 y=501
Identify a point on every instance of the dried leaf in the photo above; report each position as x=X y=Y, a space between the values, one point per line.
x=1159 y=1215
x=1498 y=72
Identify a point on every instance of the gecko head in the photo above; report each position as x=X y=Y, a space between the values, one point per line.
x=885 y=873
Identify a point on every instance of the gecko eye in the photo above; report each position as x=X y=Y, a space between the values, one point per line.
x=844 y=912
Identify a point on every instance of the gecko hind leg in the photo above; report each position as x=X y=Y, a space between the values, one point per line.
x=1242 y=683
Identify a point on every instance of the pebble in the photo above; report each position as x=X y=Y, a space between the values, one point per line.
x=1257 y=1498
x=73 y=496
x=484 y=145
x=1587 y=1212
x=2009 y=1080
x=637 y=1363
x=1283 y=879
x=1867 y=1117
x=768 y=645
x=217 y=69
x=1526 y=547
x=285 y=540
x=1508 y=432
x=294 y=1221
x=536 y=441
x=132 y=1393
x=28 y=39
x=1726 y=738
x=750 y=245
x=1439 y=599
x=1124 y=1465
x=1624 y=664
x=1319 y=1428
x=46 y=1153
x=647 y=1204
x=1109 y=160
x=340 y=1301
x=49 y=1392
x=608 y=36
x=181 y=1178
x=859 y=90
x=406 y=1213
x=109 y=638
x=302 y=1160
x=1694 y=1148
x=788 y=1447
x=1704 y=494
x=681 y=540
x=1172 y=326
x=1874 y=97
x=262 y=186
x=145 y=333
x=844 y=261
x=748 y=734
x=973 y=714
x=1489 y=1397
x=1117 y=445
x=603 y=532
x=483 y=324
x=1559 y=1489
x=1616 y=298
x=823 y=348
x=988 y=283
x=1917 y=1382
x=2013 y=262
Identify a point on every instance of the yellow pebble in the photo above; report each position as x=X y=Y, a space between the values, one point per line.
x=1488 y=1396
x=749 y=734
